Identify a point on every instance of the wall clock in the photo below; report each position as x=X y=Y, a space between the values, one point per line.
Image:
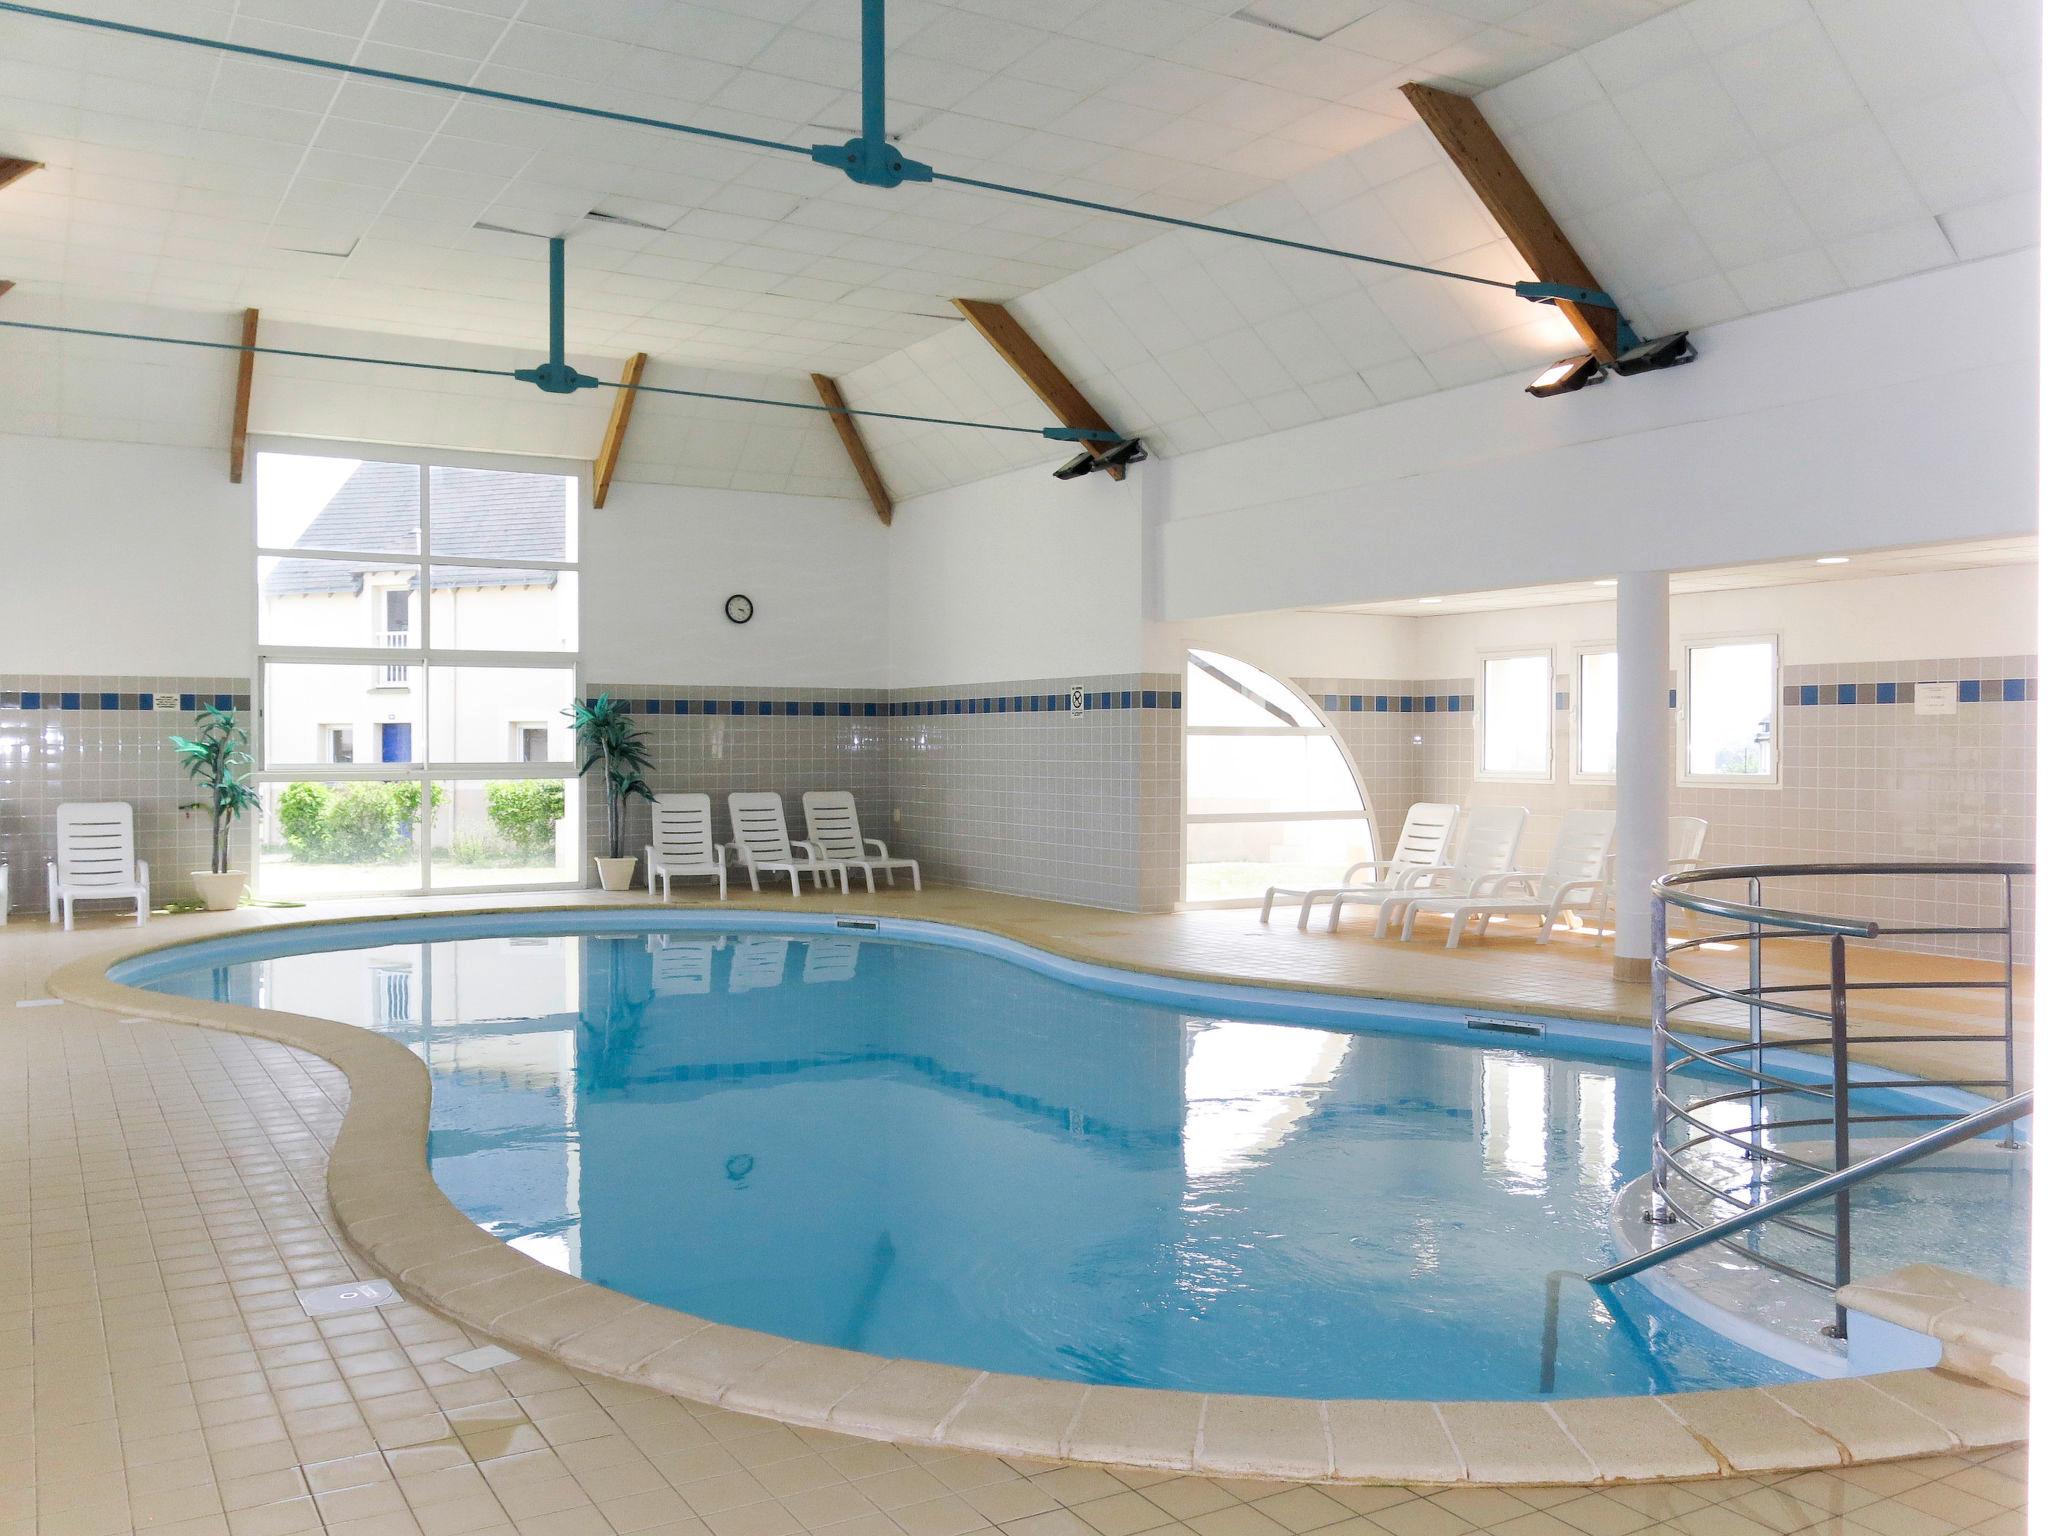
x=739 y=607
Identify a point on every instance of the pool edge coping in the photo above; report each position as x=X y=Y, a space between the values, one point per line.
x=388 y=1206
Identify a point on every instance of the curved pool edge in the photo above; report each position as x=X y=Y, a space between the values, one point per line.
x=388 y=1207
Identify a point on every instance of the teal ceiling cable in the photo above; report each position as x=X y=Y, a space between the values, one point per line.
x=1056 y=434
x=868 y=158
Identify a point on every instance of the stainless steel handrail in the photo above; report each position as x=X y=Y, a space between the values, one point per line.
x=1686 y=1188
x=2005 y=1112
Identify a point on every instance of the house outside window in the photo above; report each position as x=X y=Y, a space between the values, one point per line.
x=1515 y=711
x=1730 y=733
x=1596 y=714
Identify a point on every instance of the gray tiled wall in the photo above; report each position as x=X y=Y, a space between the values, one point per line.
x=1087 y=808
x=60 y=742
x=1859 y=782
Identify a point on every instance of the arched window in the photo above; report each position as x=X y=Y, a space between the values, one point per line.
x=1272 y=798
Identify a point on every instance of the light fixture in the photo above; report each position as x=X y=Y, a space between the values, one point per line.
x=1568 y=375
x=1832 y=560
x=1129 y=451
x=1659 y=352
x=1608 y=581
x=1429 y=599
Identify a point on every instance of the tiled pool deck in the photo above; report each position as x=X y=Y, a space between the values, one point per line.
x=163 y=1190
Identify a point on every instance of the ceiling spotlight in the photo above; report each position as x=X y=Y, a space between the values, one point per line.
x=1562 y=378
x=1129 y=451
x=1832 y=560
x=1661 y=352
x=1429 y=599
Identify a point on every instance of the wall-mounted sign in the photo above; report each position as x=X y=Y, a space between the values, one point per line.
x=1934 y=698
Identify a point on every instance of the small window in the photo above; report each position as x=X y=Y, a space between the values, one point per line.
x=1731 y=710
x=1598 y=696
x=1514 y=716
x=529 y=743
x=337 y=743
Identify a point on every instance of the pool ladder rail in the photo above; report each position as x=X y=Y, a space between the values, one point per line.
x=1681 y=1191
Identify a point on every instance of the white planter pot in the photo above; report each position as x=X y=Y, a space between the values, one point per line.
x=221 y=893
x=616 y=874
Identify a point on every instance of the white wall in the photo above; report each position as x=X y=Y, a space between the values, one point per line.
x=128 y=556
x=1293 y=644
x=1018 y=577
x=123 y=556
x=1894 y=415
x=659 y=562
x=1926 y=616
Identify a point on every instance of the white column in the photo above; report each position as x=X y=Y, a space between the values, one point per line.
x=1642 y=633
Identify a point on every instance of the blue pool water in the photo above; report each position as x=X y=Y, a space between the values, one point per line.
x=938 y=1153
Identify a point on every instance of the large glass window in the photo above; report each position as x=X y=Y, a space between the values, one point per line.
x=1514 y=716
x=1596 y=720
x=417 y=627
x=1272 y=799
x=1731 y=710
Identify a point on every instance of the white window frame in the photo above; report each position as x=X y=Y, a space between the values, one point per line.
x=1579 y=775
x=1686 y=646
x=1516 y=653
x=328 y=731
x=422 y=652
x=1322 y=727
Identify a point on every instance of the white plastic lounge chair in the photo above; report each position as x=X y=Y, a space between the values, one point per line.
x=757 y=963
x=96 y=859
x=683 y=845
x=1684 y=846
x=1493 y=833
x=833 y=822
x=1425 y=840
x=1575 y=879
x=760 y=836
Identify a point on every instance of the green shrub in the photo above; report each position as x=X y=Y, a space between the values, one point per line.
x=525 y=812
x=351 y=823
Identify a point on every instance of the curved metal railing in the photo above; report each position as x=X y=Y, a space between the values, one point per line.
x=1763 y=1129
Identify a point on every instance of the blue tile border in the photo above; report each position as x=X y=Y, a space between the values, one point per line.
x=1395 y=703
x=94 y=701
x=1969 y=690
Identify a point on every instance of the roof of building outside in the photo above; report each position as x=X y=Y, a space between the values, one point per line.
x=480 y=514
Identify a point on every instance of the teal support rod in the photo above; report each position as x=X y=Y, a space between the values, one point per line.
x=558 y=301
x=874 y=90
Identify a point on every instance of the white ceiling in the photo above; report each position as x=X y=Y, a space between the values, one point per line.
x=1861 y=565
x=195 y=180
x=1712 y=158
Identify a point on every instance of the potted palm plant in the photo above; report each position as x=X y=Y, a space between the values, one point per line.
x=214 y=758
x=611 y=742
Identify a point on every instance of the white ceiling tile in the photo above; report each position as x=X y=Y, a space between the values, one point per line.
x=1686 y=123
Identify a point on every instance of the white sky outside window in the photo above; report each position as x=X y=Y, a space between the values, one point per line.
x=1599 y=704
x=1515 y=711
x=295 y=488
x=1730 y=709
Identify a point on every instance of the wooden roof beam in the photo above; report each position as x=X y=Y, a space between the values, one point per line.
x=245 y=381
x=615 y=430
x=1476 y=150
x=1015 y=346
x=12 y=170
x=856 y=449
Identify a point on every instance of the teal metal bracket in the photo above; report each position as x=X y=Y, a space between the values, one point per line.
x=1079 y=435
x=555 y=375
x=1593 y=298
x=871 y=159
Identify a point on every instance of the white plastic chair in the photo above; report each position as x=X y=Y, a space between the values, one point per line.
x=684 y=845
x=1425 y=840
x=760 y=837
x=1685 y=844
x=1574 y=880
x=833 y=822
x=1492 y=836
x=96 y=859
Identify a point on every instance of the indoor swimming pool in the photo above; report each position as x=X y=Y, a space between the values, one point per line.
x=936 y=1145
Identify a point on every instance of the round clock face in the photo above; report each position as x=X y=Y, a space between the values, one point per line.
x=739 y=608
